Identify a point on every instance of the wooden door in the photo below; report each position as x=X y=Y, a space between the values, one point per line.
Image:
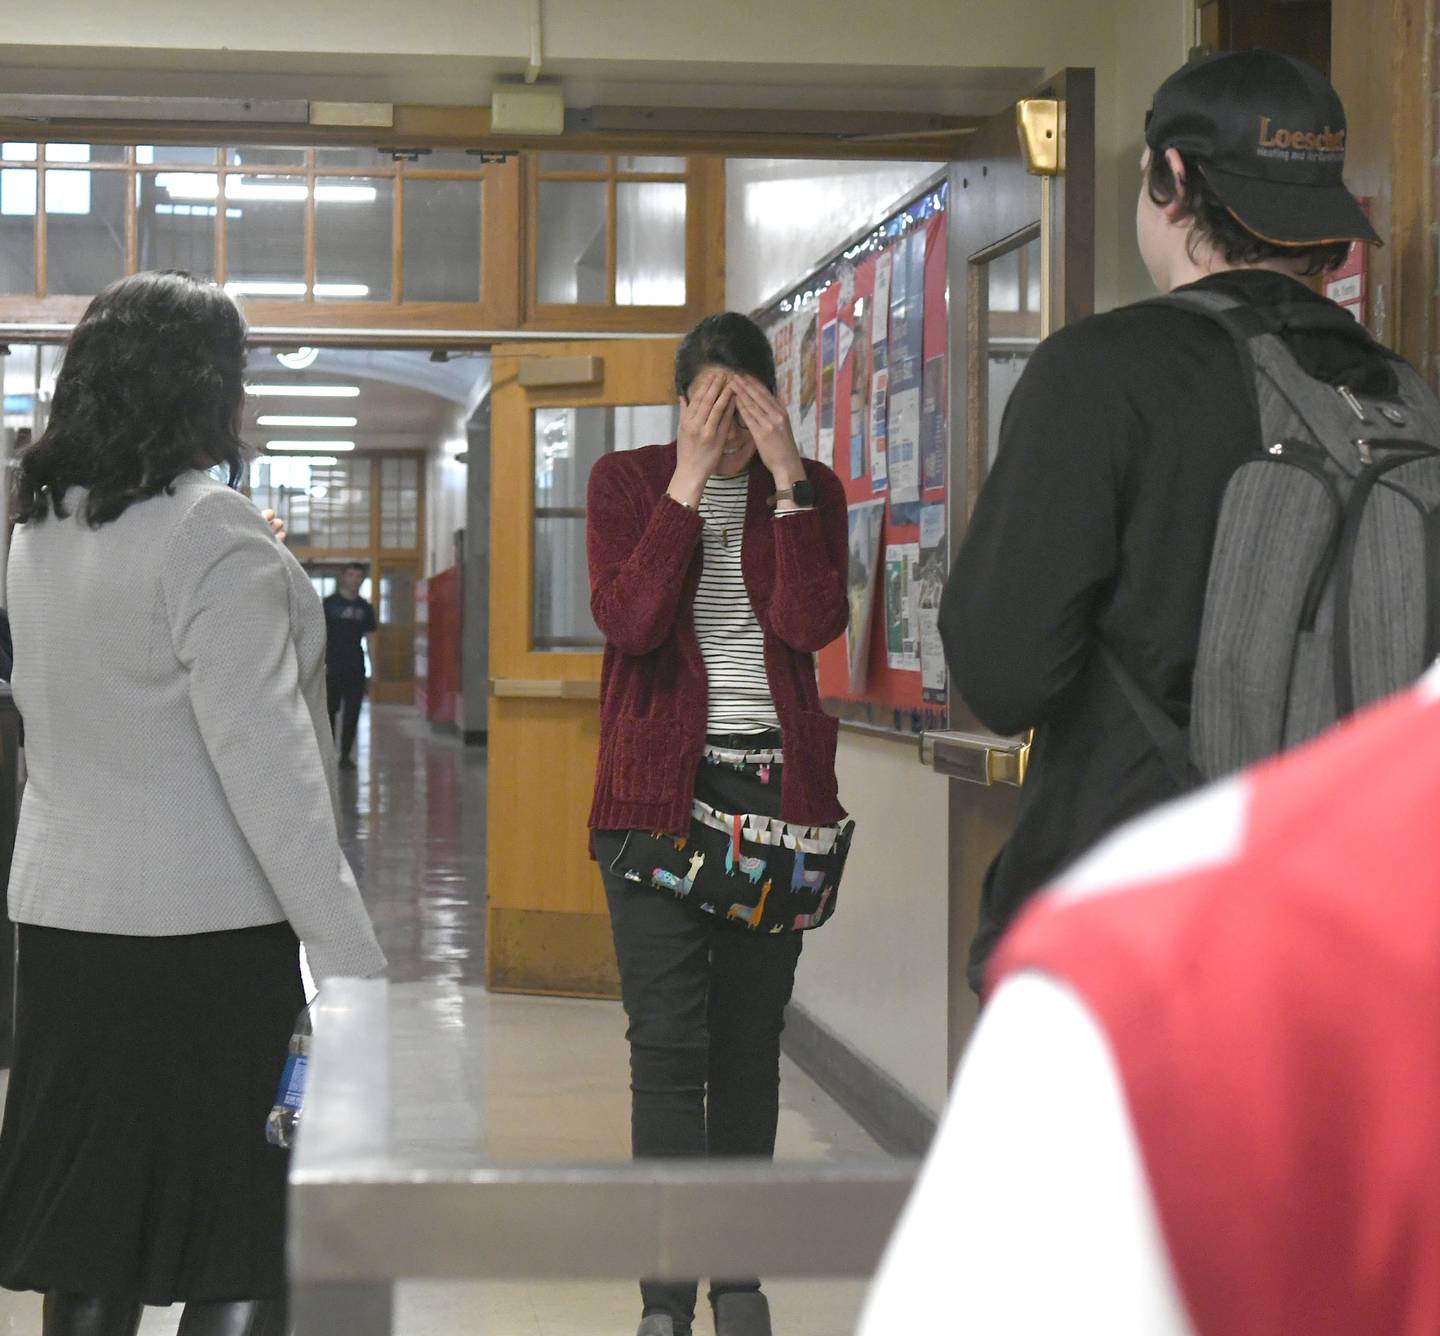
x=555 y=409
x=1021 y=239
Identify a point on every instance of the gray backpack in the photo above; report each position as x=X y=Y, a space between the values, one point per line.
x=1324 y=586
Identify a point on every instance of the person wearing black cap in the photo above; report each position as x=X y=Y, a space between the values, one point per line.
x=1097 y=521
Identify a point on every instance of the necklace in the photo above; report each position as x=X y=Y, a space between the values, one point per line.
x=715 y=517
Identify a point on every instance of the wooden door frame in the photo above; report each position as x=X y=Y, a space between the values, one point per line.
x=978 y=825
x=1383 y=67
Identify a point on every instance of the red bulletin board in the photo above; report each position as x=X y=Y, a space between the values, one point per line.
x=893 y=698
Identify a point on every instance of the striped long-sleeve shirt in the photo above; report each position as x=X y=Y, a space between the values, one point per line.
x=731 y=641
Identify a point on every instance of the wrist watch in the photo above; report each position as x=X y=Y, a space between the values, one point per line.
x=801 y=493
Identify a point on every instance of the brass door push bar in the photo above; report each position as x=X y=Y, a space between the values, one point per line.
x=977 y=758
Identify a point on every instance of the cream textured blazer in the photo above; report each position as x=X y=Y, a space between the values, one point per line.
x=171 y=675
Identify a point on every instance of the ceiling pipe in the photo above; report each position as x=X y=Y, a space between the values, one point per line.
x=537 y=42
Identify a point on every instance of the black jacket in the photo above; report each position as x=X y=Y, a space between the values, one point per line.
x=1097 y=522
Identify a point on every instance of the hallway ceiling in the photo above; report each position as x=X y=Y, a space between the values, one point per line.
x=405 y=401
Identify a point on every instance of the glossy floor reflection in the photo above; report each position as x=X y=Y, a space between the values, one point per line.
x=527 y=1078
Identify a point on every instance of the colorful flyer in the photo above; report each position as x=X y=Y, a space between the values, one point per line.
x=902 y=622
x=867 y=518
x=825 y=450
x=934 y=423
x=807 y=381
x=879 y=418
x=860 y=388
x=931 y=583
x=907 y=326
x=880 y=325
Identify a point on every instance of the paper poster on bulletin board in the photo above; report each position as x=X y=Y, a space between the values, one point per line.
x=874 y=406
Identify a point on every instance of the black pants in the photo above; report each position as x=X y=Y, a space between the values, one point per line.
x=344 y=693
x=706 y=1004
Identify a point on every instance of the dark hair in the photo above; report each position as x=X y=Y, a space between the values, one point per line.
x=357 y=566
x=730 y=340
x=151 y=385
x=1216 y=224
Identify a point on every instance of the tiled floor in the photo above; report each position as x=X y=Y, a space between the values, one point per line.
x=530 y=1078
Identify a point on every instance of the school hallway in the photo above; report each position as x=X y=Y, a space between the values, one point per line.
x=524 y=1078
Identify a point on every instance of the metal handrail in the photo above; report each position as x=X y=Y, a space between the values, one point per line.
x=366 y=1212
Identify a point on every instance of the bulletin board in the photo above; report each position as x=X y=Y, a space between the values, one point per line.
x=862 y=361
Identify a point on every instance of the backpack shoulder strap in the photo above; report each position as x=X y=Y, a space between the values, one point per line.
x=1171 y=742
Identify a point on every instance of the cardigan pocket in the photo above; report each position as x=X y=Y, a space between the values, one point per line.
x=650 y=757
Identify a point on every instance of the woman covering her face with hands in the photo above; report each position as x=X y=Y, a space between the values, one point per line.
x=717 y=570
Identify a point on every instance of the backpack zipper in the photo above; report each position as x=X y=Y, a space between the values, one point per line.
x=1354 y=404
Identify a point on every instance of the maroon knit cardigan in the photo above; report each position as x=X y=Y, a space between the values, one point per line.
x=645 y=559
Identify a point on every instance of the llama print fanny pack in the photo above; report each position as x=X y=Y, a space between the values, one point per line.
x=759 y=872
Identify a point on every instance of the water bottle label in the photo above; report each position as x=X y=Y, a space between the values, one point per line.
x=292 y=1083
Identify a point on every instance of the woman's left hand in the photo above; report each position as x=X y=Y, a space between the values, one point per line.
x=276 y=524
x=769 y=426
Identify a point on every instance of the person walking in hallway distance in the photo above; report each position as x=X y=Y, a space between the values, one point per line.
x=717 y=570
x=177 y=838
x=1075 y=604
x=350 y=625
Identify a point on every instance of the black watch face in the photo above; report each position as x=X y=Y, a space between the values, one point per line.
x=804 y=493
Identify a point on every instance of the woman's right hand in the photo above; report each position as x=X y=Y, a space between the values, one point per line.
x=705 y=418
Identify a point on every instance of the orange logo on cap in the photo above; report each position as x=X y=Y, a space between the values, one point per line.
x=1325 y=141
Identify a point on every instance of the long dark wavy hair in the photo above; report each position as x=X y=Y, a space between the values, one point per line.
x=151 y=385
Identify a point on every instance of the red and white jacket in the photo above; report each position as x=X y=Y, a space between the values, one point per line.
x=1248 y=983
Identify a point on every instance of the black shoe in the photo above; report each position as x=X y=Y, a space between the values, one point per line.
x=743 y=1313
x=347 y=764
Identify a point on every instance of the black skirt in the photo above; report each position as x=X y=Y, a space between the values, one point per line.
x=133 y=1159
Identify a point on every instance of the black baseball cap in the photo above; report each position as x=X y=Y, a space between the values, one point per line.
x=1269 y=133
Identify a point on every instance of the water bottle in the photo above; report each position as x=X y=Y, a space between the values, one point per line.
x=284 y=1117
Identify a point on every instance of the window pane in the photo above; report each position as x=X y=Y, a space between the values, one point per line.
x=266 y=217
x=340 y=505
x=17 y=231
x=354 y=224
x=574 y=162
x=650 y=243
x=19 y=152
x=570 y=259
x=676 y=165
x=399 y=502
x=1004 y=272
x=352 y=157
x=446 y=160
x=84 y=153
x=323 y=504
x=562 y=588
x=180 y=155
x=442 y=241
x=568 y=441
x=86 y=242
x=264 y=155
x=175 y=221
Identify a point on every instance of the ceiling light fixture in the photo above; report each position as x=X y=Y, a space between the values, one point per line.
x=304 y=420
x=281 y=447
x=304 y=391
x=298 y=359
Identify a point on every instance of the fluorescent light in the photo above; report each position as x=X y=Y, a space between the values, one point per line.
x=305 y=420
x=264 y=288
x=281 y=446
x=305 y=391
x=206 y=185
